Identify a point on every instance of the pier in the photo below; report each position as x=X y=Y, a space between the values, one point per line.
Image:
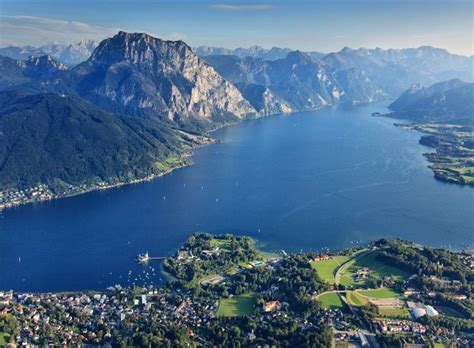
x=144 y=258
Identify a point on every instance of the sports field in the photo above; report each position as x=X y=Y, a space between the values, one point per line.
x=237 y=306
x=330 y=300
x=327 y=268
x=380 y=293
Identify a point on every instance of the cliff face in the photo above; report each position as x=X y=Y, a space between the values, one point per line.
x=141 y=75
x=297 y=82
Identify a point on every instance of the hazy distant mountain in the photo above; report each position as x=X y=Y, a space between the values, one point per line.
x=444 y=102
x=72 y=54
x=63 y=140
x=298 y=80
x=254 y=51
x=21 y=52
x=16 y=72
x=393 y=71
x=273 y=53
x=69 y=54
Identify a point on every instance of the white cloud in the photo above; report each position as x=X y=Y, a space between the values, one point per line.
x=37 y=31
x=250 y=7
x=28 y=30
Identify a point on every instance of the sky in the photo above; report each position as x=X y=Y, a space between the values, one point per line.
x=325 y=26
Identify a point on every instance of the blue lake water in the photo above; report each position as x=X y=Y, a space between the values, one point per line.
x=302 y=181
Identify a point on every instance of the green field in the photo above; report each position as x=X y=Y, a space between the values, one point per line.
x=380 y=293
x=379 y=269
x=394 y=313
x=355 y=299
x=3 y=339
x=330 y=300
x=346 y=275
x=236 y=306
x=223 y=244
x=326 y=269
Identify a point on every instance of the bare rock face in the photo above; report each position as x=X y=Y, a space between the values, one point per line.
x=263 y=99
x=297 y=82
x=141 y=75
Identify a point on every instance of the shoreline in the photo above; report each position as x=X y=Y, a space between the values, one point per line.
x=432 y=157
x=186 y=163
x=441 y=173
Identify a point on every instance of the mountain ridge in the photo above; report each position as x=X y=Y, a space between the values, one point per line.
x=69 y=54
x=58 y=145
x=449 y=101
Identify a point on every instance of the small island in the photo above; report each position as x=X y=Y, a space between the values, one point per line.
x=223 y=292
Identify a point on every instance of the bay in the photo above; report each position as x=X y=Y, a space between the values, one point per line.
x=323 y=179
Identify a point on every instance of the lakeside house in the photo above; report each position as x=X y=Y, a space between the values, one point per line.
x=270 y=306
x=322 y=257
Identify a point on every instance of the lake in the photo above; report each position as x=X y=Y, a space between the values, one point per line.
x=306 y=181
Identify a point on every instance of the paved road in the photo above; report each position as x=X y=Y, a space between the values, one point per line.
x=337 y=277
x=328 y=292
x=365 y=330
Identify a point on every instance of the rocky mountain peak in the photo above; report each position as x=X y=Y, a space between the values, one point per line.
x=298 y=56
x=139 y=74
x=46 y=62
x=139 y=48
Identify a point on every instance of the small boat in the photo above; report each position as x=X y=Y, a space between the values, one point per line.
x=143 y=258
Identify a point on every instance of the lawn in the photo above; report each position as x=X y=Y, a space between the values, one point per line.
x=394 y=313
x=355 y=299
x=326 y=269
x=381 y=268
x=223 y=244
x=174 y=160
x=237 y=306
x=347 y=280
x=3 y=339
x=380 y=293
x=330 y=300
x=346 y=276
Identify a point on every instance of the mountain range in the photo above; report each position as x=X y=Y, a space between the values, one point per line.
x=139 y=102
x=69 y=54
x=296 y=82
x=273 y=53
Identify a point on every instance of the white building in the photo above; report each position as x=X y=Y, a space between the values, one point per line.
x=431 y=312
x=418 y=312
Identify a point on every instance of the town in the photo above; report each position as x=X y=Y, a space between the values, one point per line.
x=222 y=291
